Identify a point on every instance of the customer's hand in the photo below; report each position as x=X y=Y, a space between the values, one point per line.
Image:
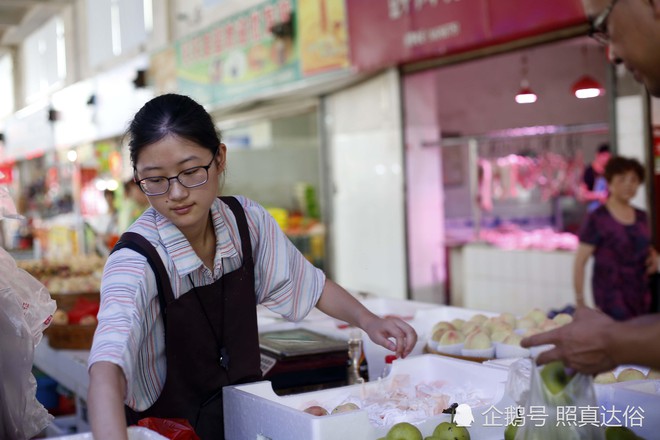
x=582 y=345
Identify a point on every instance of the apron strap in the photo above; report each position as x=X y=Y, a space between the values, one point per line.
x=141 y=245
x=243 y=230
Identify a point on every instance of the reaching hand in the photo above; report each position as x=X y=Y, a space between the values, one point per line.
x=380 y=330
x=581 y=345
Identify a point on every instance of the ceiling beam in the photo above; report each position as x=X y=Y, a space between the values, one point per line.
x=24 y=3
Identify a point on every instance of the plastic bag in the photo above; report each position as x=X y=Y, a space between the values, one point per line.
x=7 y=206
x=571 y=412
x=173 y=429
x=37 y=305
x=518 y=380
x=26 y=309
x=21 y=415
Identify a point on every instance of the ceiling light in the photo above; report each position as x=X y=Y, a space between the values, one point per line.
x=587 y=87
x=525 y=94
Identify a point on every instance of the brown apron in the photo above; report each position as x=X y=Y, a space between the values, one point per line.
x=211 y=338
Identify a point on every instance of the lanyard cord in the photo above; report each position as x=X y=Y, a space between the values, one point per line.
x=223 y=358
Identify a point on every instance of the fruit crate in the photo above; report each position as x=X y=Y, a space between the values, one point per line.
x=255 y=411
x=70 y=336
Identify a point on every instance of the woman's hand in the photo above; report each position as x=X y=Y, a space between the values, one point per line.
x=392 y=333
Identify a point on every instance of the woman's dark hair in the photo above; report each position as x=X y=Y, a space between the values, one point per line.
x=620 y=165
x=175 y=115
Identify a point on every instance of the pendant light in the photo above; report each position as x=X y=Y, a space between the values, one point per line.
x=525 y=94
x=586 y=86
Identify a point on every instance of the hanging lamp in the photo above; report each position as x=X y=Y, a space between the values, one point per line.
x=586 y=86
x=525 y=95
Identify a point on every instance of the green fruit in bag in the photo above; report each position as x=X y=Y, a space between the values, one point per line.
x=620 y=433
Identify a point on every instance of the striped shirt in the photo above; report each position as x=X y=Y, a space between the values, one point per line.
x=130 y=329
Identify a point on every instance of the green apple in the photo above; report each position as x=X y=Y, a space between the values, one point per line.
x=620 y=433
x=404 y=431
x=510 y=432
x=450 y=431
x=554 y=377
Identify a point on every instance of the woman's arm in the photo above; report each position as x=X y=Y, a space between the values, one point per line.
x=105 y=401
x=583 y=253
x=338 y=303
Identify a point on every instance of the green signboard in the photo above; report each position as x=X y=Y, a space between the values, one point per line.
x=239 y=56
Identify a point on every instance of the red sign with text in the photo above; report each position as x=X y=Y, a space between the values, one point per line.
x=390 y=32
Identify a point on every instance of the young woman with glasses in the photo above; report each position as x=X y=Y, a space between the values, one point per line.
x=179 y=292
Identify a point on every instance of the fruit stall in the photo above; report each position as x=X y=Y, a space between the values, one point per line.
x=467 y=369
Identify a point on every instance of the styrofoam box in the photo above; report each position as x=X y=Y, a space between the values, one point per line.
x=635 y=394
x=134 y=433
x=254 y=411
x=423 y=321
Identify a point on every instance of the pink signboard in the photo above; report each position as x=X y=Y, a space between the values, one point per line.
x=390 y=32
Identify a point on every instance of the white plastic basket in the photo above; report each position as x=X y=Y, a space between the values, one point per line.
x=134 y=433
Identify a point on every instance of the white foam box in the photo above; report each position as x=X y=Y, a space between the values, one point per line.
x=629 y=398
x=134 y=433
x=254 y=411
x=424 y=318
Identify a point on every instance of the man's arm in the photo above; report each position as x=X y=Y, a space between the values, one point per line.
x=594 y=342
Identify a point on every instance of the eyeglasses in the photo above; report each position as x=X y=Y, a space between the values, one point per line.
x=598 y=25
x=189 y=178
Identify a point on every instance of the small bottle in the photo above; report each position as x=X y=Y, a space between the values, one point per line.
x=388 y=365
x=354 y=354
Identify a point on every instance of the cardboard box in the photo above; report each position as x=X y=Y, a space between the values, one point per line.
x=254 y=411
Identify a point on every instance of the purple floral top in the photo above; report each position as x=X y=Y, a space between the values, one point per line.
x=619 y=283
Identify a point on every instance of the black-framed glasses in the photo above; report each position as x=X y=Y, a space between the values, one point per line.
x=189 y=178
x=598 y=25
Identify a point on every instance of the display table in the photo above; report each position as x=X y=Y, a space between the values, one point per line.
x=69 y=369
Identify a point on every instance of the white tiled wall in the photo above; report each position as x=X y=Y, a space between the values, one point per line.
x=499 y=280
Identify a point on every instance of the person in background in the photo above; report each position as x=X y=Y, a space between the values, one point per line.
x=168 y=352
x=593 y=189
x=594 y=342
x=618 y=236
x=134 y=204
x=105 y=226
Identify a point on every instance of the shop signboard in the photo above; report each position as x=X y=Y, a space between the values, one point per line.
x=323 y=34
x=28 y=134
x=240 y=56
x=6 y=174
x=390 y=32
x=513 y=19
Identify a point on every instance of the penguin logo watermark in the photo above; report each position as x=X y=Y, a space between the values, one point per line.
x=463 y=416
